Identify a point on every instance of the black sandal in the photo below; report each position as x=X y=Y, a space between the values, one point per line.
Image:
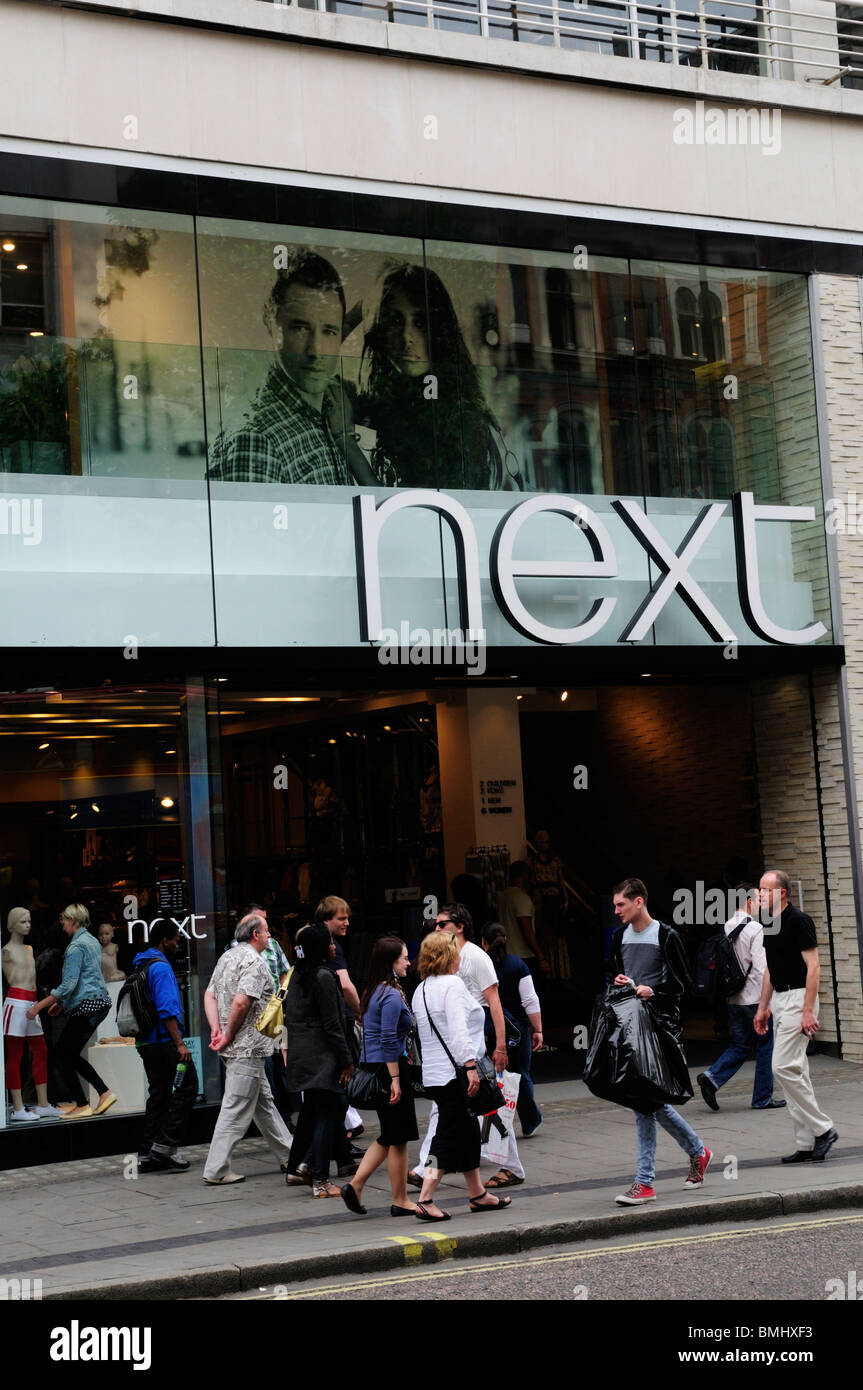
x=423 y=1215
x=477 y=1204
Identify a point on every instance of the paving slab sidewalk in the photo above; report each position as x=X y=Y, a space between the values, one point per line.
x=90 y=1230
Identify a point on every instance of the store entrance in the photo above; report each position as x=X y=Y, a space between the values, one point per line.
x=333 y=794
x=388 y=800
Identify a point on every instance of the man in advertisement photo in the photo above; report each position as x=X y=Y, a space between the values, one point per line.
x=300 y=428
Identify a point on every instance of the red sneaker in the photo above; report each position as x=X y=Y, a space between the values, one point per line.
x=635 y=1195
x=697 y=1168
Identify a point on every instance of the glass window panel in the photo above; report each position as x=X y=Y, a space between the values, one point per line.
x=550 y=366
x=101 y=428
x=96 y=808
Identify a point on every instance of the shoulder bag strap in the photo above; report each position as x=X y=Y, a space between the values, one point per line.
x=436 y=1033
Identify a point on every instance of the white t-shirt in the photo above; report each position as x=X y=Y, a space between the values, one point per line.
x=475 y=968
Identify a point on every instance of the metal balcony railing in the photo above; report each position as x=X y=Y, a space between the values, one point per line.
x=822 y=42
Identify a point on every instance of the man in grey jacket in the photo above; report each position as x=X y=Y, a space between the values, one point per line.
x=239 y=989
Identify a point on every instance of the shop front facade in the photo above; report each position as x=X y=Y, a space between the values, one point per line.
x=355 y=541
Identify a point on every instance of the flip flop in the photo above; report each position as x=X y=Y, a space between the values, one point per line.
x=504 y=1179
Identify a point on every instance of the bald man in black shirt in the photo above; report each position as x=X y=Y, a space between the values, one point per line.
x=791 y=983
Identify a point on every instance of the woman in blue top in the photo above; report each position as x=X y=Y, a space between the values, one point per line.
x=387 y=1021
x=83 y=995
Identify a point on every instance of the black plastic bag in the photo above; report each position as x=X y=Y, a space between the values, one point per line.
x=634 y=1057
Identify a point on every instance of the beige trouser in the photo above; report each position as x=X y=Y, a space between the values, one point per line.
x=791 y=1069
x=247 y=1097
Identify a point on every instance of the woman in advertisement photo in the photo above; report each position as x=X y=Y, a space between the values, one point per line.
x=422 y=394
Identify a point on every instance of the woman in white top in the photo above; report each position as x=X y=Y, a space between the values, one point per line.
x=460 y=1022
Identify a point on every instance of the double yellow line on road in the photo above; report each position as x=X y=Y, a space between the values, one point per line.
x=413 y=1254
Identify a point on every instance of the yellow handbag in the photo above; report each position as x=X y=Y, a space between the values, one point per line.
x=272 y=1019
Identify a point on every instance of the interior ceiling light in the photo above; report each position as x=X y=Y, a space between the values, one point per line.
x=94 y=806
x=170 y=750
x=43 y=745
x=564 y=695
x=331 y=740
x=8 y=246
x=167 y=802
x=36 y=333
x=22 y=265
x=282 y=699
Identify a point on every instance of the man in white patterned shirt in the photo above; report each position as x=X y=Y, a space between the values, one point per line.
x=237 y=993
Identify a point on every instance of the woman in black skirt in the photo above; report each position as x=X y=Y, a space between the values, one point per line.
x=387 y=1021
x=443 y=1000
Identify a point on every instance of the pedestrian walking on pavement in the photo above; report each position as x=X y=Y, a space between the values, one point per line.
x=748 y=946
x=235 y=998
x=790 y=993
x=319 y=1059
x=171 y=1075
x=520 y=1002
x=450 y=1022
x=478 y=975
x=334 y=913
x=387 y=1022
x=650 y=955
x=274 y=958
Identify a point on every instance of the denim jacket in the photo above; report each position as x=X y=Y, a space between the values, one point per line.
x=82 y=972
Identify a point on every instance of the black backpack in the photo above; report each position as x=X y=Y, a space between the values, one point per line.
x=717 y=969
x=137 y=1015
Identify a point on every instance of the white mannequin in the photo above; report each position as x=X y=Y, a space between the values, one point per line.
x=110 y=969
x=19 y=968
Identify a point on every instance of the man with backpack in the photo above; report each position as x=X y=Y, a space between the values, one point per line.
x=171 y=1074
x=739 y=965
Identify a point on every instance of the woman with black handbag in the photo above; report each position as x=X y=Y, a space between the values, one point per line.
x=451 y=1028
x=319 y=1062
x=387 y=1021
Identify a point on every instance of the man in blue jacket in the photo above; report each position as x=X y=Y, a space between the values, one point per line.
x=168 y=1107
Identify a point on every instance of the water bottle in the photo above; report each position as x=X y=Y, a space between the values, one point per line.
x=179 y=1074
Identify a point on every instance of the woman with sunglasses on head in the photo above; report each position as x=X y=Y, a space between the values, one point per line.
x=387 y=1022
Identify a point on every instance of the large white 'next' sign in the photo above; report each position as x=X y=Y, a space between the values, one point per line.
x=672 y=565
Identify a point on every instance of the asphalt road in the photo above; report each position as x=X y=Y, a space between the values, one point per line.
x=782 y=1258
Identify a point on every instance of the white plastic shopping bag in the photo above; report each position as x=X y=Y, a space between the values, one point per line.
x=502 y=1149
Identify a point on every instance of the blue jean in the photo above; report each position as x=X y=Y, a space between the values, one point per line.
x=676 y=1126
x=744 y=1039
x=526 y=1107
